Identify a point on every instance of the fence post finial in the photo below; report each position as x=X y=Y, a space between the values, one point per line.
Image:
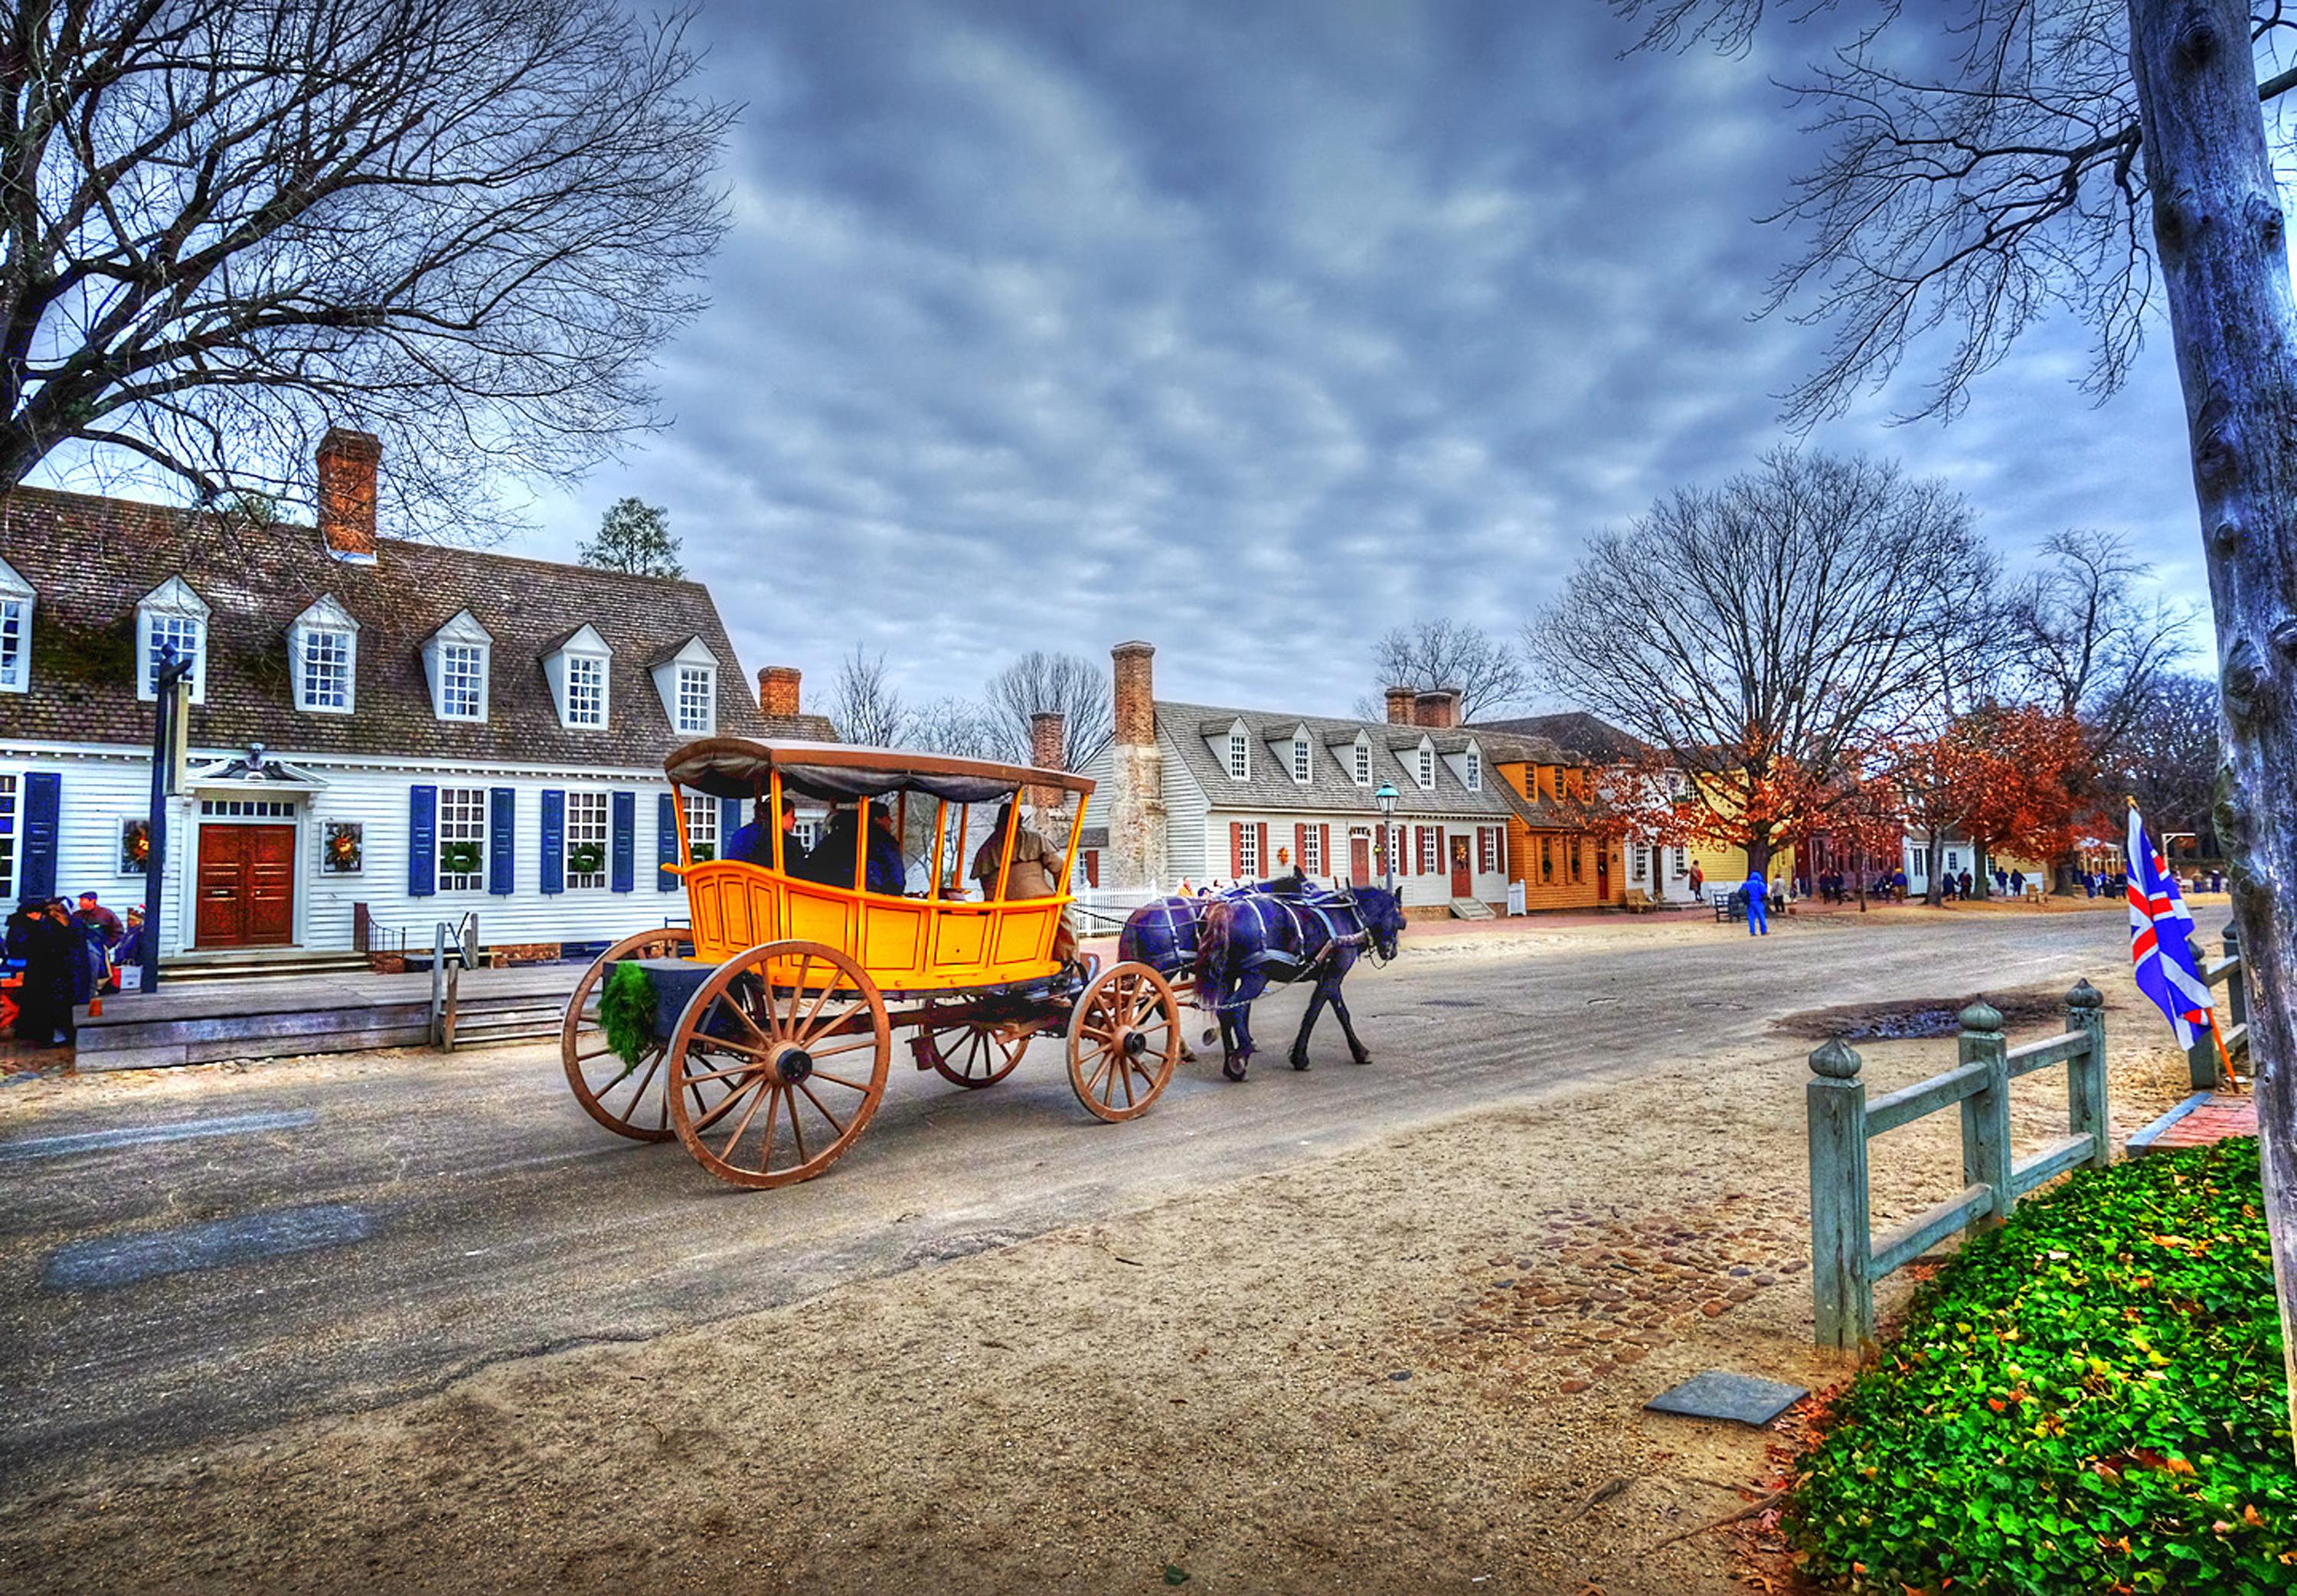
x=1835 y=1059
x=2085 y=995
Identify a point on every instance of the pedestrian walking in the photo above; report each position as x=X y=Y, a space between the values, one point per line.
x=1698 y=882
x=41 y=933
x=1966 y=884
x=2017 y=884
x=1759 y=903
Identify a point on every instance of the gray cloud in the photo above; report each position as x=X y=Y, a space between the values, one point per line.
x=1253 y=329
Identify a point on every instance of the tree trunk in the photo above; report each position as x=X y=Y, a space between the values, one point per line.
x=1982 y=878
x=1933 y=886
x=2218 y=229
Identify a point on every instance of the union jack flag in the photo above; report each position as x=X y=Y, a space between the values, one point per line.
x=2160 y=940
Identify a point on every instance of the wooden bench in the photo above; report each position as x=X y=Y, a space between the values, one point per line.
x=1637 y=901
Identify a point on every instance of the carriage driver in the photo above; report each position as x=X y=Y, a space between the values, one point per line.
x=1035 y=874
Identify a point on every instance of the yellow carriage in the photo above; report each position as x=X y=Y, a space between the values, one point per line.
x=776 y=1008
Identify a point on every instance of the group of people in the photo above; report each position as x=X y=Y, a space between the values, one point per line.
x=64 y=957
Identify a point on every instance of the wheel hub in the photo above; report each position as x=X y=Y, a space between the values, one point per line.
x=792 y=1065
x=1135 y=1044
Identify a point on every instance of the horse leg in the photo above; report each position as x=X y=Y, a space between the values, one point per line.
x=1356 y=1050
x=1317 y=998
x=1236 y=1023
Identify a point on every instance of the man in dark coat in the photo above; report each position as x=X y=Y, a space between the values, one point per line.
x=55 y=972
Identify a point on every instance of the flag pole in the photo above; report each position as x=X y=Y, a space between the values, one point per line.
x=2224 y=1058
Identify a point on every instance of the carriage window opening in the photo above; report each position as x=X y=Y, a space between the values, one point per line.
x=1475 y=771
x=586 y=840
x=702 y=827
x=1247 y=851
x=1300 y=759
x=1240 y=756
x=1312 y=851
x=462 y=839
x=586 y=690
x=7 y=839
x=1363 y=764
x=697 y=699
x=462 y=682
x=15 y=625
x=326 y=670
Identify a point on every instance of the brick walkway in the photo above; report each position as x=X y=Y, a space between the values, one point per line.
x=2202 y=1119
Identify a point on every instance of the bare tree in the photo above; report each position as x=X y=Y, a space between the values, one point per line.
x=2168 y=758
x=2075 y=154
x=226 y=225
x=2089 y=645
x=1763 y=635
x=965 y=727
x=1441 y=653
x=1068 y=684
x=864 y=705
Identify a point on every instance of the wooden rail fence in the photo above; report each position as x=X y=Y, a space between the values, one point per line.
x=1846 y=1259
x=2202 y=1065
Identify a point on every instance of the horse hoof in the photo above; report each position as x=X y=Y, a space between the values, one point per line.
x=1209 y=1037
x=1363 y=1059
x=1299 y=1061
x=1234 y=1068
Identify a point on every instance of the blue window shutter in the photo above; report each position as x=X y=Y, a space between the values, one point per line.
x=554 y=841
x=502 y=815
x=43 y=800
x=666 y=842
x=730 y=822
x=422 y=841
x=624 y=807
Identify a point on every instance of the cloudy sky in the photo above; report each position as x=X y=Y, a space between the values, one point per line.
x=1253 y=330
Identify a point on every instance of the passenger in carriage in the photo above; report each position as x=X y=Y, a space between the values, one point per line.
x=1035 y=872
x=753 y=843
x=831 y=863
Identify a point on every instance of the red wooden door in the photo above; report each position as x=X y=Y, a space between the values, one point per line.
x=1360 y=859
x=1463 y=880
x=247 y=887
x=1602 y=872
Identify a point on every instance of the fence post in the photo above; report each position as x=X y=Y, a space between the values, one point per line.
x=2086 y=1106
x=2201 y=1058
x=1986 y=1112
x=1842 y=1238
x=2236 y=979
x=438 y=982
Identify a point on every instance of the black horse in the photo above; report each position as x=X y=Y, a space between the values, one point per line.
x=1236 y=945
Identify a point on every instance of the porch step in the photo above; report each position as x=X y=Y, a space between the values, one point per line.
x=258 y=965
x=1470 y=908
x=482 y=1021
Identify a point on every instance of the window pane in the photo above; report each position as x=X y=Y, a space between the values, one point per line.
x=586 y=691
x=326 y=670
x=463 y=682
x=12 y=642
x=462 y=839
x=702 y=827
x=180 y=632
x=586 y=839
x=696 y=694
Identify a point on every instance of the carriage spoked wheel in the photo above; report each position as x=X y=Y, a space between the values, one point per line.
x=628 y=1100
x=975 y=1056
x=778 y=1063
x=1125 y=1038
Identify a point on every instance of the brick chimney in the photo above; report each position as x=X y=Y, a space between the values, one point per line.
x=1437 y=708
x=777 y=691
x=1132 y=798
x=347 y=463
x=1045 y=733
x=1399 y=706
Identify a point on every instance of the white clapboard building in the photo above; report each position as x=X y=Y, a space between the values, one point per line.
x=1202 y=795
x=383 y=734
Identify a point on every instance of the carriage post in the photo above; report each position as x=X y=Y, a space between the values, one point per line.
x=941 y=839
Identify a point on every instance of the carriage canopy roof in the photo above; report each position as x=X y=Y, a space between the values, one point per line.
x=838 y=772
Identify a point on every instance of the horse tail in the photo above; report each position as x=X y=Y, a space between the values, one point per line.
x=1211 y=965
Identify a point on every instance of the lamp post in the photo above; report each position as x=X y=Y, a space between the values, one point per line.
x=168 y=678
x=1386 y=798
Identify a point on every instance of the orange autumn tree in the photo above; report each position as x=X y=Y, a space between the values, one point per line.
x=2005 y=777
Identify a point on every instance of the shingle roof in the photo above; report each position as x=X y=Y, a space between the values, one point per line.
x=89 y=560
x=1577 y=733
x=1331 y=783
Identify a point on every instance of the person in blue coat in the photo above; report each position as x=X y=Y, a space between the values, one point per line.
x=1759 y=903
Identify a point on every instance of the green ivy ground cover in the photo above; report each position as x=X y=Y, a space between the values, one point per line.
x=2089 y=1400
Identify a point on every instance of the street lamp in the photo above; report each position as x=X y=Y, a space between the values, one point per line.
x=169 y=679
x=1386 y=798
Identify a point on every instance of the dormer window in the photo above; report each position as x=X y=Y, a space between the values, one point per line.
x=323 y=653
x=1426 y=772
x=577 y=672
x=16 y=600
x=686 y=680
x=458 y=660
x=172 y=619
x=1473 y=774
x=1240 y=754
x=1301 y=768
x=1362 y=761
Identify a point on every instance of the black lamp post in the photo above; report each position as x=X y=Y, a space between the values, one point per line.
x=167 y=677
x=1386 y=798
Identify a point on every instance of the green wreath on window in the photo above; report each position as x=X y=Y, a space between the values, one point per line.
x=585 y=859
x=460 y=859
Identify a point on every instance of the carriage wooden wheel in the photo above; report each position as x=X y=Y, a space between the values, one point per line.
x=627 y=1100
x=976 y=1054
x=1125 y=1038
x=778 y=1063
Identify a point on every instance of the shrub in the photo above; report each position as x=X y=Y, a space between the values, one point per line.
x=2089 y=1400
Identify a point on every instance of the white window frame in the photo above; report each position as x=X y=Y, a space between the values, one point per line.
x=1431 y=851
x=1475 y=768
x=1303 y=761
x=172 y=608
x=587 y=820
x=462 y=639
x=326 y=623
x=1247 y=851
x=463 y=818
x=323 y=671
x=702 y=825
x=1683 y=861
x=585 y=705
x=697 y=686
x=690 y=654
x=462 y=682
x=10 y=822
x=1311 y=842
x=1361 y=762
x=17 y=600
x=1424 y=767
x=1240 y=754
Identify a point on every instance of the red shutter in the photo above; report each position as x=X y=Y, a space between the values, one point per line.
x=1261 y=849
x=1093 y=867
x=1235 y=849
x=1324 y=852
x=1300 y=846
